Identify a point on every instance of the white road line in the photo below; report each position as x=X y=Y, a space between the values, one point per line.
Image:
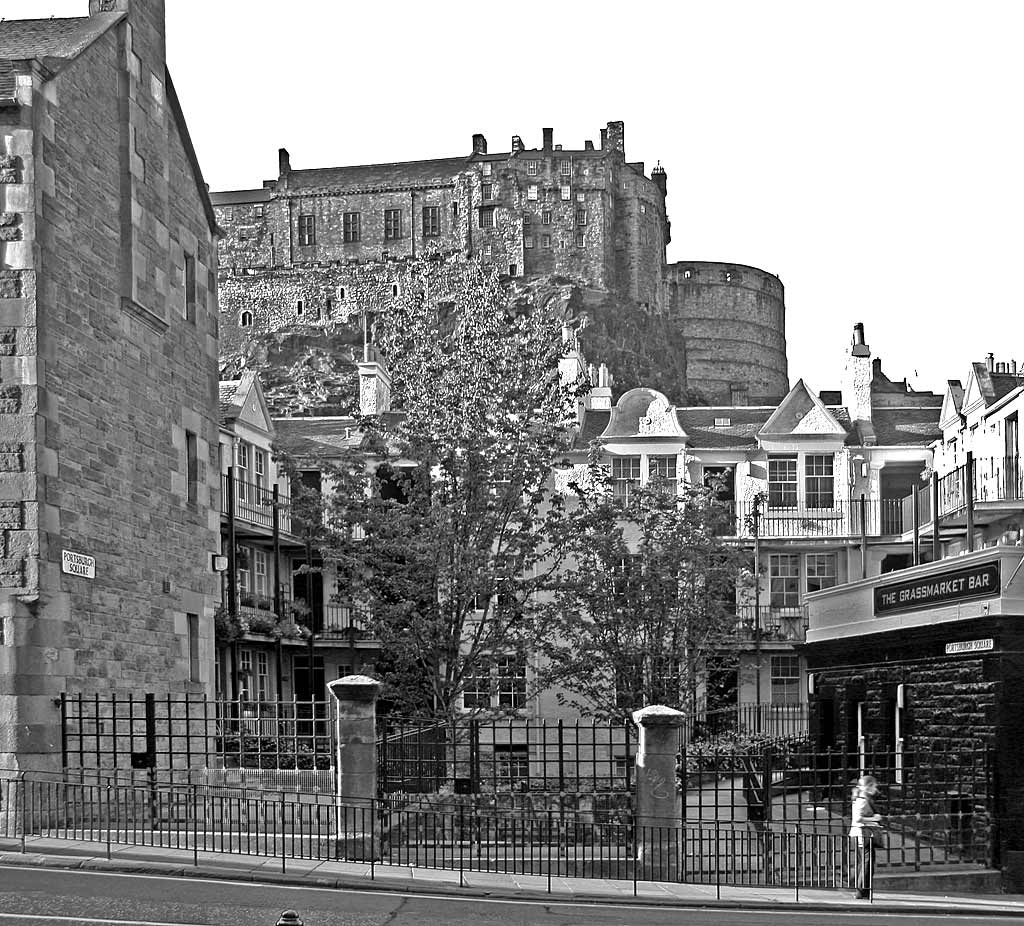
x=708 y=905
x=31 y=917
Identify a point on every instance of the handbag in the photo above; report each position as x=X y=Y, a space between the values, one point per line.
x=879 y=838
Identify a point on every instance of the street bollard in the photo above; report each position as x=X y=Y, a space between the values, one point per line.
x=289 y=918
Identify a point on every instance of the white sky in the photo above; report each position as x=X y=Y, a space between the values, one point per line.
x=870 y=154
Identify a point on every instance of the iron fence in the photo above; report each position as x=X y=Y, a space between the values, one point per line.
x=764 y=722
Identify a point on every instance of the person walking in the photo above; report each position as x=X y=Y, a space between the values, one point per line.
x=866 y=829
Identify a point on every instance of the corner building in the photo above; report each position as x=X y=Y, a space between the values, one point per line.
x=584 y=218
x=108 y=350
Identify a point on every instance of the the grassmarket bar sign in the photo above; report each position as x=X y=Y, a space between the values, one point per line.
x=981 y=581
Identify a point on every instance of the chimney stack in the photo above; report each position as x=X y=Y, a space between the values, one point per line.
x=374 y=385
x=990 y=362
x=856 y=383
x=604 y=139
x=617 y=137
x=284 y=161
x=588 y=145
x=549 y=139
x=517 y=144
x=660 y=179
x=859 y=348
x=600 y=396
x=479 y=144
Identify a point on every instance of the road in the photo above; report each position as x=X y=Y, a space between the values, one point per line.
x=49 y=897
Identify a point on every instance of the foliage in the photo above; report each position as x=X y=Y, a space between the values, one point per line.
x=437 y=523
x=730 y=751
x=272 y=752
x=647 y=597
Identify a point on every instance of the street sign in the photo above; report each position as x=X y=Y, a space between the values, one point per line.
x=78 y=564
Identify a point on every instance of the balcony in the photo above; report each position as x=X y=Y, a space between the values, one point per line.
x=990 y=487
x=254 y=505
x=776 y=624
x=843 y=518
x=343 y=621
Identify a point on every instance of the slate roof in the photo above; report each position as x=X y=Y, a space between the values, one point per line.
x=55 y=39
x=238 y=197
x=993 y=385
x=317 y=435
x=916 y=427
x=594 y=423
x=228 y=394
x=741 y=432
x=372 y=176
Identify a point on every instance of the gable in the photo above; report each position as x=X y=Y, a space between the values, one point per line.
x=252 y=408
x=949 y=417
x=802 y=414
x=973 y=396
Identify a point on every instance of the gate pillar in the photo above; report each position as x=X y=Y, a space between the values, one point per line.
x=658 y=812
x=356 y=763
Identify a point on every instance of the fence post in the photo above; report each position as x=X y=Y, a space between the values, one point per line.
x=356 y=759
x=195 y=825
x=23 y=793
x=108 y=817
x=657 y=801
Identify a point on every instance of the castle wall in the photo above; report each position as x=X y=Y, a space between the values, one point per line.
x=116 y=368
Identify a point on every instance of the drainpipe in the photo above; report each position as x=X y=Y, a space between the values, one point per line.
x=232 y=580
x=969 y=479
x=917 y=526
x=863 y=536
x=935 y=517
x=278 y=604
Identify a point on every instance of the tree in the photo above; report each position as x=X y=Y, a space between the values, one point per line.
x=437 y=523
x=646 y=599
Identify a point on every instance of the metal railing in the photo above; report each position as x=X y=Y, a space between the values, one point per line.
x=838 y=518
x=254 y=504
x=982 y=480
x=765 y=721
x=773 y=623
x=343 y=620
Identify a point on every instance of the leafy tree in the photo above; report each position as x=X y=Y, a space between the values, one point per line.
x=646 y=599
x=437 y=523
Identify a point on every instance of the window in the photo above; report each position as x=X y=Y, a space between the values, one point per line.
x=262 y=677
x=258 y=211
x=643 y=208
x=512 y=764
x=192 y=466
x=625 y=476
x=528 y=241
x=192 y=622
x=392 y=224
x=821 y=571
x=531 y=192
x=487 y=216
x=566 y=192
x=785 y=671
x=341 y=293
x=242 y=458
x=190 y=288
x=350 y=227
x=260 y=467
x=782 y=482
x=527 y=220
x=662 y=469
x=299 y=308
x=328 y=306
x=581 y=216
x=511 y=678
x=581 y=197
x=723 y=422
x=532 y=167
x=784 y=580
x=545 y=217
x=395 y=291
x=565 y=167
x=487 y=168
x=307 y=230
x=819 y=480
x=476 y=691
x=581 y=239
x=545 y=241
x=259 y=571
x=485 y=190
x=512 y=270
x=431 y=221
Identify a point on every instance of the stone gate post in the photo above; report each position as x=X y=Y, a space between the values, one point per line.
x=358 y=822
x=658 y=810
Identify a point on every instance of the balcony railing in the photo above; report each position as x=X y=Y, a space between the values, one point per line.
x=343 y=620
x=781 y=624
x=254 y=504
x=843 y=518
x=994 y=479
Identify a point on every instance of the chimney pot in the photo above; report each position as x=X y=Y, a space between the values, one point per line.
x=284 y=161
x=588 y=145
x=517 y=143
x=859 y=348
x=479 y=144
x=602 y=375
x=990 y=361
x=549 y=138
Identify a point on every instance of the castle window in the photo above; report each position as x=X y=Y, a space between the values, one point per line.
x=726 y=276
x=687 y=274
x=545 y=241
x=243 y=233
x=392 y=224
x=431 y=221
x=566 y=192
x=486 y=191
x=580 y=239
x=565 y=167
x=245 y=321
x=340 y=293
x=528 y=242
x=527 y=219
x=258 y=211
x=531 y=193
x=395 y=291
x=350 y=227
x=643 y=208
x=487 y=216
x=486 y=253
x=532 y=167
x=545 y=217
x=298 y=307
x=307 y=230
x=581 y=216
x=328 y=306
x=512 y=270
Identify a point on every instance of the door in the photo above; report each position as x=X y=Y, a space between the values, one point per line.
x=1014 y=487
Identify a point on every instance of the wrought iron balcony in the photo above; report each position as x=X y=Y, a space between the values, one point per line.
x=776 y=624
x=254 y=504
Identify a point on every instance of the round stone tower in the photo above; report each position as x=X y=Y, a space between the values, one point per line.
x=733 y=321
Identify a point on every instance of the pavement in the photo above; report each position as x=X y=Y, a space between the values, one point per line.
x=84 y=855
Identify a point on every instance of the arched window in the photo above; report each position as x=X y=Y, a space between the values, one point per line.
x=246 y=320
x=394 y=289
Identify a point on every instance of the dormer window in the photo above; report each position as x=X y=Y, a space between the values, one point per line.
x=723 y=422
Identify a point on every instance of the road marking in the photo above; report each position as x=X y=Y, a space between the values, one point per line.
x=29 y=917
x=939 y=911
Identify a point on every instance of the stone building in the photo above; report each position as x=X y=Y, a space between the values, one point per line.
x=314 y=247
x=108 y=409
x=930 y=660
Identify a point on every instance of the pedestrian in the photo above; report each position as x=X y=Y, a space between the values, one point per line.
x=866 y=830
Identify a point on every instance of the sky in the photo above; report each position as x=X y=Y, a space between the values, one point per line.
x=870 y=154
